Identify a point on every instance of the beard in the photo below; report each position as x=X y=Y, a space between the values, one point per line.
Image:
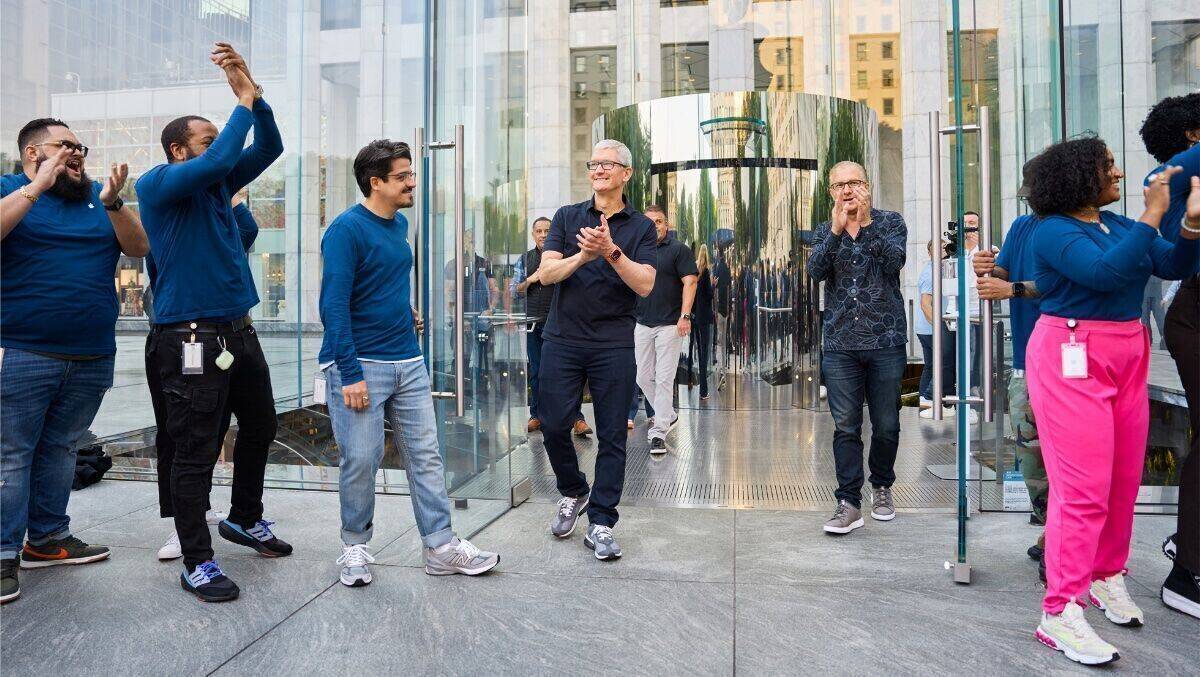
x=71 y=190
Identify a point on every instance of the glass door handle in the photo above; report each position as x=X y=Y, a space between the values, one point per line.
x=985 y=244
x=459 y=392
x=935 y=213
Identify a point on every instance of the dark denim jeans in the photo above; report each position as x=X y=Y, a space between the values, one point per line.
x=853 y=377
x=46 y=404
x=948 y=371
x=638 y=399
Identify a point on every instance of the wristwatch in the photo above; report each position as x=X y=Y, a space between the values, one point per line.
x=258 y=91
x=615 y=254
x=688 y=316
x=1018 y=289
x=115 y=206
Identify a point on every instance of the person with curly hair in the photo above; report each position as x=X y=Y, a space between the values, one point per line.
x=1171 y=132
x=1087 y=363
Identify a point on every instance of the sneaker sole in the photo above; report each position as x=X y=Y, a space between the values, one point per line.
x=845 y=530
x=657 y=452
x=234 y=537
x=356 y=581
x=189 y=589
x=42 y=564
x=169 y=556
x=882 y=517
x=465 y=572
x=1180 y=603
x=1072 y=654
x=1124 y=621
x=10 y=597
x=592 y=546
x=570 y=531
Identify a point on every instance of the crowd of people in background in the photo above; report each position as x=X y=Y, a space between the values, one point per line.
x=612 y=296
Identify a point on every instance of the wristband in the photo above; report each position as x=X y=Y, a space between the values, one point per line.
x=1183 y=223
x=28 y=195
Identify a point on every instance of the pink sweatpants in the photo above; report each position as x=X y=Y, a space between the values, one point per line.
x=1093 y=434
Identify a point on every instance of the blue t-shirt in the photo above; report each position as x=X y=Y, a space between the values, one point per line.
x=1181 y=186
x=365 y=292
x=57 y=293
x=1016 y=256
x=921 y=325
x=185 y=207
x=594 y=308
x=1086 y=273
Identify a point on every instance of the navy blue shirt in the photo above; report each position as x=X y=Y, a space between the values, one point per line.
x=673 y=262
x=1085 y=273
x=864 y=308
x=185 y=207
x=594 y=308
x=1181 y=187
x=365 y=292
x=57 y=293
x=1016 y=256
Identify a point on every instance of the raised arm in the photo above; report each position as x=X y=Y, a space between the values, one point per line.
x=266 y=148
x=554 y=267
x=895 y=245
x=824 y=250
x=1069 y=251
x=171 y=182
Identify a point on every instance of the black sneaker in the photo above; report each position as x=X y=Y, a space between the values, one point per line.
x=1169 y=548
x=658 y=446
x=1037 y=520
x=69 y=550
x=10 y=587
x=209 y=583
x=1035 y=552
x=258 y=537
x=1181 y=591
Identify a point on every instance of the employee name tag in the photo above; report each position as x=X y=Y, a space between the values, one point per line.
x=319 y=390
x=193 y=357
x=1074 y=359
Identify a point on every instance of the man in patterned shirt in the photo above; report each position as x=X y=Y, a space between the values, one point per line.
x=858 y=253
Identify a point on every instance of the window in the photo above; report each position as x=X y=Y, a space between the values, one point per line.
x=779 y=64
x=889 y=106
x=684 y=68
x=337 y=14
x=862 y=79
x=888 y=51
x=888 y=78
x=592 y=5
x=581 y=64
x=592 y=85
x=860 y=51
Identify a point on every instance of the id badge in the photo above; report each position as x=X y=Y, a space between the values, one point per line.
x=193 y=357
x=1074 y=360
x=319 y=392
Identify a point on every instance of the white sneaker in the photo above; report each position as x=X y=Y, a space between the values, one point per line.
x=823 y=392
x=459 y=557
x=354 y=561
x=925 y=403
x=1111 y=596
x=215 y=517
x=1070 y=633
x=947 y=413
x=171 y=549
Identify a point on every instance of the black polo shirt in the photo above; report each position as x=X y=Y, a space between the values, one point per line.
x=664 y=305
x=594 y=308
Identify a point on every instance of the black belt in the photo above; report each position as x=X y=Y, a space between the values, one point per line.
x=235 y=325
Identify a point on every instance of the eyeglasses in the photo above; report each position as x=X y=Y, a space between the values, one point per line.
x=607 y=165
x=856 y=183
x=74 y=147
x=402 y=176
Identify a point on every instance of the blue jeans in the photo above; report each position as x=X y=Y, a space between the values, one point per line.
x=46 y=404
x=852 y=377
x=638 y=398
x=948 y=369
x=399 y=393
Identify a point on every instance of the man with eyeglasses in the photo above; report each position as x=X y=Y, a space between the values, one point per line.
x=62 y=237
x=858 y=253
x=601 y=254
x=374 y=370
x=203 y=347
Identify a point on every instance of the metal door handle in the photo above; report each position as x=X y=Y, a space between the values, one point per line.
x=985 y=244
x=459 y=229
x=935 y=209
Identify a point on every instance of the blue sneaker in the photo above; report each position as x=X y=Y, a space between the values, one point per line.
x=258 y=537
x=209 y=583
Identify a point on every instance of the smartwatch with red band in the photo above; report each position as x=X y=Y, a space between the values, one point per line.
x=615 y=254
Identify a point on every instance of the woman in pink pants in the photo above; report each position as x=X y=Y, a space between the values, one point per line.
x=1087 y=363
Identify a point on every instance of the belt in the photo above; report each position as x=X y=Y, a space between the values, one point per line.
x=235 y=325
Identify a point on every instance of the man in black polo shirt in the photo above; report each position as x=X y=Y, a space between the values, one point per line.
x=664 y=319
x=600 y=253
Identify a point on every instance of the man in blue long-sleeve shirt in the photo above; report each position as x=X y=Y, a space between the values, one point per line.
x=374 y=369
x=859 y=254
x=205 y=353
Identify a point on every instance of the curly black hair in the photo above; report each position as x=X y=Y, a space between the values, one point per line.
x=1164 y=127
x=1068 y=176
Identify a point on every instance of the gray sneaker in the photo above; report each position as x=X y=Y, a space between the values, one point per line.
x=845 y=519
x=459 y=557
x=354 y=561
x=882 y=508
x=600 y=539
x=569 y=510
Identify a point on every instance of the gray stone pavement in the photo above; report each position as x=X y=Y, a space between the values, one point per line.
x=699 y=591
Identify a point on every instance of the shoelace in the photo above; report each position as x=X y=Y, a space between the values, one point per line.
x=1117 y=591
x=205 y=572
x=841 y=510
x=883 y=495
x=356 y=556
x=603 y=534
x=464 y=552
x=262 y=531
x=1076 y=622
x=566 y=506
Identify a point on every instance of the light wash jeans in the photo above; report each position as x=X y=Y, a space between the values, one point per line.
x=46 y=404
x=399 y=392
x=657 y=350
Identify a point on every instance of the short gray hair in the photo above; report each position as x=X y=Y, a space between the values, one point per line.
x=623 y=155
x=848 y=163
